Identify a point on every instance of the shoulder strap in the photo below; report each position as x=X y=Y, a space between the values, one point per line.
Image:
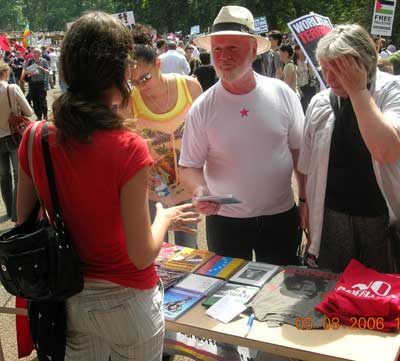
x=30 y=151
x=9 y=98
x=335 y=104
x=50 y=177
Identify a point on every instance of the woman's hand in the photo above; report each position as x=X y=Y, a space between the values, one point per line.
x=350 y=72
x=179 y=217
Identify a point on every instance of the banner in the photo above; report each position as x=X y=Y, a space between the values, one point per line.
x=308 y=30
x=26 y=38
x=4 y=44
x=382 y=21
x=260 y=25
x=126 y=17
x=195 y=29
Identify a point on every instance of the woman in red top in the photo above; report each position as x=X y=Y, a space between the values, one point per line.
x=101 y=171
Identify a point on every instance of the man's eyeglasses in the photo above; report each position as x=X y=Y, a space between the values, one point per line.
x=144 y=79
x=191 y=49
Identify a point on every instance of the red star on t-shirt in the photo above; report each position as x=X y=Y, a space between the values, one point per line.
x=244 y=112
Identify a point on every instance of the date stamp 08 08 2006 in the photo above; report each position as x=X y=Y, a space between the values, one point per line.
x=334 y=323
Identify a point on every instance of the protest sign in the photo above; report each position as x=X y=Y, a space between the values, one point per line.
x=195 y=29
x=308 y=30
x=382 y=21
x=126 y=17
x=260 y=25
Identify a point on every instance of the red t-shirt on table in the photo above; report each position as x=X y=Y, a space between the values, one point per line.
x=89 y=180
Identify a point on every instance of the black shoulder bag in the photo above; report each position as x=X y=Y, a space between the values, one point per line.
x=38 y=261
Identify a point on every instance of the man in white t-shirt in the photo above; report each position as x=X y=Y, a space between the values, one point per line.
x=242 y=137
x=173 y=62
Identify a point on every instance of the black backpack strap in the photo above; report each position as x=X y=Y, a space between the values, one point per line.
x=51 y=178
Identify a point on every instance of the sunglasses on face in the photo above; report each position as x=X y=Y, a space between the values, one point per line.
x=144 y=79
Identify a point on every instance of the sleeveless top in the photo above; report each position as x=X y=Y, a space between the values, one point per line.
x=163 y=133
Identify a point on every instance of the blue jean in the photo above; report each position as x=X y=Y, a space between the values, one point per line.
x=8 y=181
x=181 y=238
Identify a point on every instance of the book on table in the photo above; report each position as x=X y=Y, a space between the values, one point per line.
x=168 y=277
x=242 y=293
x=221 y=267
x=255 y=273
x=166 y=252
x=178 y=301
x=199 y=284
x=188 y=260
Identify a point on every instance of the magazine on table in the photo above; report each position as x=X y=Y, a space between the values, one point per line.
x=200 y=284
x=242 y=293
x=166 y=252
x=221 y=267
x=177 y=302
x=168 y=277
x=188 y=260
x=255 y=273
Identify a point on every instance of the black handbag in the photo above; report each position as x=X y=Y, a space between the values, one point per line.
x=38 y=260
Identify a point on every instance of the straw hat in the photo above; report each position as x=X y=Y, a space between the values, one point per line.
x=233 y=20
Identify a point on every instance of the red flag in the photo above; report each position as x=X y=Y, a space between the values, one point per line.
x=4 y=44
x=19 y=48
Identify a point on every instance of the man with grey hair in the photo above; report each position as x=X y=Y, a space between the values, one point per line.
x=172 y=61
x=37 y=68
x=351 y=154
x=242 y=137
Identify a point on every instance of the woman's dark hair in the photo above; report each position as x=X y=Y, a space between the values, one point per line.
x=205 y=58
x=144 y=51
x=287 y=49
x=95 y=54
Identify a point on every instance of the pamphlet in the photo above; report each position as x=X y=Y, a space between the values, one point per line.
x=226 y=309
x=221 y=199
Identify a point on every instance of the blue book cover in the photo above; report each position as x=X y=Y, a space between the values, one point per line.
x=178 y=301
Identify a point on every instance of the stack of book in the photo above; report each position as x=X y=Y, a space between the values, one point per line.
x=187 y=293
x=221 y=267
x=166 y=252
x=187 y=260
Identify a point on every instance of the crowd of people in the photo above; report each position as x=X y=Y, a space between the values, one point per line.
x=197 y=120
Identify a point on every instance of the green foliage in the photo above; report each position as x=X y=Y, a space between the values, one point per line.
x=180 y=15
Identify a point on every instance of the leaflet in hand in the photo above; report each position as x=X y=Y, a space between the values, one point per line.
x=222 y=199
x=32 y=69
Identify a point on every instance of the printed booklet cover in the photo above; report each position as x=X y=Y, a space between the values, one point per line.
x=177 y=301
x=166 y=252
x=242 y=293
x=188 y=260
x=200 y=284
x=221 y=267
x=255 y=273
x=168 y=277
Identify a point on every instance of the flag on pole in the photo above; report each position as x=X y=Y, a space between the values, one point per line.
x=4 y=44
x=26 y=39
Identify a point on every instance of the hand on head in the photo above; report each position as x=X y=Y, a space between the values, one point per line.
x=348 y=71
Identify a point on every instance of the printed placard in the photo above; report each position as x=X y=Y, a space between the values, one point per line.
x=382 y=21
x=308 y=30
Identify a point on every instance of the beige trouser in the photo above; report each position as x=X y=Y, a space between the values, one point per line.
x=106 y=320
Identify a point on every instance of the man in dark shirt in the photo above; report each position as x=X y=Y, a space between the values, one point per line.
x=37 y=69
x=17 y=66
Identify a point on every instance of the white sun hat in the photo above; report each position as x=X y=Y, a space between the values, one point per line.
x=233 y=20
